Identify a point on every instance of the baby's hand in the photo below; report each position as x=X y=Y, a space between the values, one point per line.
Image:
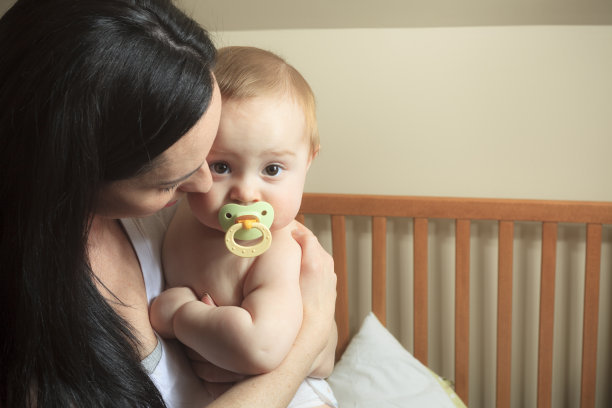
x=207 y=299
x=165 y=306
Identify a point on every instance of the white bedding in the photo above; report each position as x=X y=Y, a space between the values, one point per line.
x=376 y=371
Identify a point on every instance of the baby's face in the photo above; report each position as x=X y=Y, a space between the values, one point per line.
x=261 y=153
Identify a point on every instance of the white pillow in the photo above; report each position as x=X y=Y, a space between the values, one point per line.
x=377 y=371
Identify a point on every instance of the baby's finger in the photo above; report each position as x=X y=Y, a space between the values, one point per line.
x=207 y=299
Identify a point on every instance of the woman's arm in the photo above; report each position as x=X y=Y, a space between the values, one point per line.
x=324 y=363
x=310 y=351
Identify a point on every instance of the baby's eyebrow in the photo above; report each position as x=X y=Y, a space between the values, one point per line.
x=282 y=152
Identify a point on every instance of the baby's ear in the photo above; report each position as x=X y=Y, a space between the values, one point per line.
x=313 y=154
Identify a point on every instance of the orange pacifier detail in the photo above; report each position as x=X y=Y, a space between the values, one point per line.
x=247 y=223
x=247 y=220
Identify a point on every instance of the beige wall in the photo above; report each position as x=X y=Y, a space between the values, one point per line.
x=488 y=111
x=5 y=5
x=523 y=111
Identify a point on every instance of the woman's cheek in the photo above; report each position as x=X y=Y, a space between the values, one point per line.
x=201 y=209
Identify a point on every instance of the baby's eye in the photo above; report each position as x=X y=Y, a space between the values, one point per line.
x=220 y=168
x=272 y=170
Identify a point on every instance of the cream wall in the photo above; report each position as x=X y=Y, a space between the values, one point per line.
x=522 y=111
x=498 y=111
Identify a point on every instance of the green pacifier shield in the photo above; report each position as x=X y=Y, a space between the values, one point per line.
x=262 y=211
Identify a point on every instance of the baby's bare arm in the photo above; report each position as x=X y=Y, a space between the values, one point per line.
x=164 y=308
x=251 y=337
x=273 y=298
x=318 y=284
x=254 y=337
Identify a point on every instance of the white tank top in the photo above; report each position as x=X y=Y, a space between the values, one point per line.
x=168 y=367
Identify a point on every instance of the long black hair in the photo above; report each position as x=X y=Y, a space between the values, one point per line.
x=91 y=91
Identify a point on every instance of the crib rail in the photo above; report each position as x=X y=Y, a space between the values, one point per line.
x=464 y=210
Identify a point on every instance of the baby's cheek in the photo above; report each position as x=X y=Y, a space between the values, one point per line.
x=283 y=215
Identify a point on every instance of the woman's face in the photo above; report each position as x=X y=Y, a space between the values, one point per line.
x=181 y=169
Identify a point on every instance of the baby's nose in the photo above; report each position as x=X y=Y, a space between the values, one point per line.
x=244 y=193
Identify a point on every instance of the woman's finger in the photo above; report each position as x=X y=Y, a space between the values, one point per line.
x=216 y=389
x=211 y=373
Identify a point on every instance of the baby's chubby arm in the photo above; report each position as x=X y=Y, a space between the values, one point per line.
x=254 y=337
x=274 y=300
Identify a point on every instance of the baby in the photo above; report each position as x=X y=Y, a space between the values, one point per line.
x=243 y=313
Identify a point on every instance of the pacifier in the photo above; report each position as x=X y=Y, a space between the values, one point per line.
x=247 y=223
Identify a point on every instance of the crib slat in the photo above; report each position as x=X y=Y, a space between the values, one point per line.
x=458 y=208
x=591 y=316
x=420 y=289
x=379 y=268
x=462 y=308
x=300 y=218
x=504 y=313
x=547 y=309
x=422 y=208
x=338 y=227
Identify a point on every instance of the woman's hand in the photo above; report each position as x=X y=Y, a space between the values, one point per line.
x=216 y=380
x=318 y=287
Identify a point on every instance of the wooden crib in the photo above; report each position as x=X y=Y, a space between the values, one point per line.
x=464 y=211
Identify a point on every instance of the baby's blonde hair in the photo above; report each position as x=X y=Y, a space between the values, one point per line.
x=245 y=72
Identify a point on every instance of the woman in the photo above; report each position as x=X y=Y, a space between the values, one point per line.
x=107 y=110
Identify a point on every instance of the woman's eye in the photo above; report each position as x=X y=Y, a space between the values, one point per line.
x=170 y=189
x=220 y=168
x=272 y=170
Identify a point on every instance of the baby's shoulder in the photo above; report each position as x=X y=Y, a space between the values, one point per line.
x=282 y=240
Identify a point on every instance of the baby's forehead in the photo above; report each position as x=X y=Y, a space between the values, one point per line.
x=262 y=110
x=281 y=99
x=275 y=101
x=272 y=96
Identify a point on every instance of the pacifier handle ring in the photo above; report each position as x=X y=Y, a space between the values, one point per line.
x=248 y=251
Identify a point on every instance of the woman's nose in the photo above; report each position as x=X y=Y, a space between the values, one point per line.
x=199 y=182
